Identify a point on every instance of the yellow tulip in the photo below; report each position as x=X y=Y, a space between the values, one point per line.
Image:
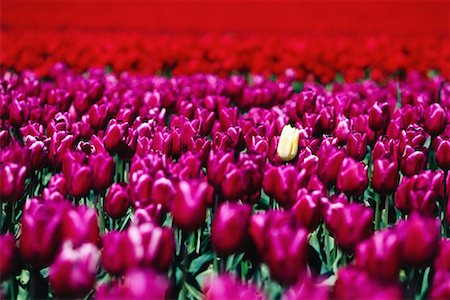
x=288 y=143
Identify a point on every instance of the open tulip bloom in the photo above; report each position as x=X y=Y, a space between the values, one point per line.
x=202 y=183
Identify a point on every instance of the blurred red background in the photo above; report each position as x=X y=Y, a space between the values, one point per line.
x=416 y=18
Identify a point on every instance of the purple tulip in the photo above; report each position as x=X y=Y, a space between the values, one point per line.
x=352 y=178
x=102 y=171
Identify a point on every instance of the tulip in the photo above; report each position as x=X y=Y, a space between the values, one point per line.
x=12 y=178
x=434 y=119
x=306 y=209
x=8 y=256
x=80 y=225
x=137 y=282
x=113 y=137
x=357 y=145
x=443 y=154
x=419 y=193
x=73 y=273
x=442 y=260
x=330 y=160
x=189 y=205
x=350 y=224
x=352 y=178
x=41 y=231
x=419 y=238
x=440 y=288
x=288 y=144
x=412 y=161
x=141 y=189
x=306 y=102
x=98 y=115
x=379 y=116
x=326 y=120
x=117 y=201
x=306 y=289
x=159 y=246
x=227 y=287
x=229 y=228
x=368 y=288
x=18 y=112
x=385 y=176
x=281 y=183
x=234 y=184
x=380 y=255
x=119 y=242
x=102 y=171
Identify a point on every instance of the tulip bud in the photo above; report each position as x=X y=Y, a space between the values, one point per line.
x=442 y=260
x=326 y=120
x=288 y=144
x=380 y=255
x=306 y=209
x=419 y=238
x=352 y=178
x=229 y=228
x=102 y=170
x=73 y=273
x=12 y=178
x=443 y=154
x=159 y=246
x=137 y=282
x=440 y=288
x=117 y=201
x=18 y=112
x=129 y=243
x=8 y=255
x=98 y=115
x=113 y=137
x=189 y=205
x=307 y=289
x=234 y=184
x=227 y=287
x=330 y=160
x=385 y=176
x=435 y=119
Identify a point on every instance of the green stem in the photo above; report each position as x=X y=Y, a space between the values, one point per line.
x=327 y=247
x=377 y=212
x=386 y=211
x=444 y=206
x=101 y=217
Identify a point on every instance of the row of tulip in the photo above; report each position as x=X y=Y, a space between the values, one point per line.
x=223 y=187
x=320 y=58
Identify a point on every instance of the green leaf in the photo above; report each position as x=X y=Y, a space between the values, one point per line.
x=201 y=262
x=193 y=292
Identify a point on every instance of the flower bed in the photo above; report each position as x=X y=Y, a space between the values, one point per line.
x=134 y=186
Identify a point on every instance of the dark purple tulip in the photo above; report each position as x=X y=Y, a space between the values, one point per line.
x=352 y=178
x=41 y=231
x=37 y=153
x=412 y=161
x=233 y=185
x=117 y=201
x=419 y=240
x=306 y=209
x=379 y=116
x=80 y=225
x=73 y=273
x=78 y=175
x=443 y=154
x=357 y=145
x=385 y=176
x=348 y=278
x=227 y=287
x=116 y=242
x=442 y=260
x=350 y=224
x=326 y=120
x=385 y=148
x=18 y=112
x=60 y=143
x=113 y=137
x=189 y=205
x=306 y=102
x=380 y=255
x=141 y=189
x=434 y=119
x=281 y=184
x=102 y=171
x=330 y=160
x=229 y=227
x=8 y=255
x=419 y=193
x=12 y=178
x=158 y=245
x=98 y=115
x=307 y=289
x=413 y=136
x=440 y=288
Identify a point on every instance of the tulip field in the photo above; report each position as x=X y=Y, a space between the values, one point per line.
x=223 y=166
